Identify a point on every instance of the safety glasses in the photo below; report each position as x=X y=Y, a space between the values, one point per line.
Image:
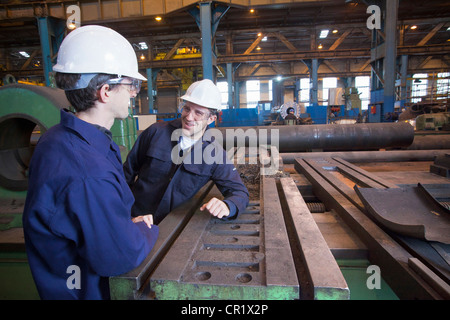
x=197 y=113
x=135 y=84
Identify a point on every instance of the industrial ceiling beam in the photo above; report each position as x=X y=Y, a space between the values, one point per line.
x=431 y=34
x=340 y=40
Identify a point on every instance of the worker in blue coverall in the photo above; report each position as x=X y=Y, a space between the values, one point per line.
x=160 y=183
x=77 y=217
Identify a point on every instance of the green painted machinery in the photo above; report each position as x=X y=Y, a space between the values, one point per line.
x=26 y=111
x=433 y=121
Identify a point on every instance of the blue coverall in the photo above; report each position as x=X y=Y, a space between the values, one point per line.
x=77 y=213
x=159 y=185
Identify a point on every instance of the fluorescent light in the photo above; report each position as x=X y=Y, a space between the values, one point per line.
x=264 y=39
x=143 y=46
x=324 y=34
x=23 y=53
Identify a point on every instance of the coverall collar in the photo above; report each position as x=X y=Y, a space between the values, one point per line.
x=89 y=132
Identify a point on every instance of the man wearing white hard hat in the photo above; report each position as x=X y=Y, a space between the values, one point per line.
x=161 y=184
x=77 y=216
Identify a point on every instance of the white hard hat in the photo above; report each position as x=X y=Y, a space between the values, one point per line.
x=204 y=93
x=97 y=49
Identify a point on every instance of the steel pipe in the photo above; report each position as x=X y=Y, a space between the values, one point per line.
x=332 y=137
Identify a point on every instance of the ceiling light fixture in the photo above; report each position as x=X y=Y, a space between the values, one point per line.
x=24 y=54
x=324 y=34
x=413 y=27
x=72 y=26
x=158 y=18
x=143 y=45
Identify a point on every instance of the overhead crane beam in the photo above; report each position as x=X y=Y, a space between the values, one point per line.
x=295 y=56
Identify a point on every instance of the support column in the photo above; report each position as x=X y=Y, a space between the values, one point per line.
x=237 y=89
x=296 y=90
x=207 y=19
x=391 y=55
x=150 y=90
x=51 y=34
x=230 y=85
x=313 y=76
x=207 y=53
x=404 y=76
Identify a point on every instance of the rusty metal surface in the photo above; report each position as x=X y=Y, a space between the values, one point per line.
x=368 y=156
x=133 y=284
x=246 y=258
x=384 y=250
x=408 y=211
x=327 y=280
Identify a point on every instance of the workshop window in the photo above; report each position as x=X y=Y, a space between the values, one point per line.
x=223 y=88
x=327 y=83
x=253 y=93
x=363 y=85
x=419 y=87
x=304 y=90
x=443 y=85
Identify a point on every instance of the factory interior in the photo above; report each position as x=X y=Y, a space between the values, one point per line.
x=349 y=200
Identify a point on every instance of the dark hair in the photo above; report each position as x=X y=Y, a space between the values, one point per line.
x=213 y=112
x=82 y=99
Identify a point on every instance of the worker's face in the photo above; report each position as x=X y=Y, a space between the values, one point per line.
x=122 y=97
x=195 y=119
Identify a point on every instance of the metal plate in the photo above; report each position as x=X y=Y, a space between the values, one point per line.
x=408 y=211
x=246 y=258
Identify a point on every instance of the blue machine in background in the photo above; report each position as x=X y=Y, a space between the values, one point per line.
x=239 y=117
x=318 y=114
x=262 y=116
